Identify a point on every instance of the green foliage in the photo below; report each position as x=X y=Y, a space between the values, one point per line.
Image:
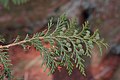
x=68 y=44
x=2 y=39
x=6 y=62
x=5 y=3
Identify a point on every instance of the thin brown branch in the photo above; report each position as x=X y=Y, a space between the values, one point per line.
x=17 y=43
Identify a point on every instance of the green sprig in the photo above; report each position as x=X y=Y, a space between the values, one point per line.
x=67 y=42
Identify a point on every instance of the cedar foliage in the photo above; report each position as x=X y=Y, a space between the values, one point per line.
x=68 y=43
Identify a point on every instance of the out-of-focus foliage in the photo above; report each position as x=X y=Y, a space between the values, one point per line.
x=6 y=3
x=2 y=39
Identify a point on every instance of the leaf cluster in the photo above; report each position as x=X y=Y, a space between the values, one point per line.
x=68 y=43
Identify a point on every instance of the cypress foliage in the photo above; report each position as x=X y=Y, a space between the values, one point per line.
x=68 y=44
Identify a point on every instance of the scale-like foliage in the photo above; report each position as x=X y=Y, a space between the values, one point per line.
x=6 y=62
x=5 y=3
x=68 y=43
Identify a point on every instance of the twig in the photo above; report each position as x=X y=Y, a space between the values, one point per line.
x=17 y=43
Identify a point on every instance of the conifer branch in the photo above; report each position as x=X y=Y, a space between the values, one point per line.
x=68 y=44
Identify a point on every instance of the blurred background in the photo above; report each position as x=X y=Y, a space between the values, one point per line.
x=32 y=17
